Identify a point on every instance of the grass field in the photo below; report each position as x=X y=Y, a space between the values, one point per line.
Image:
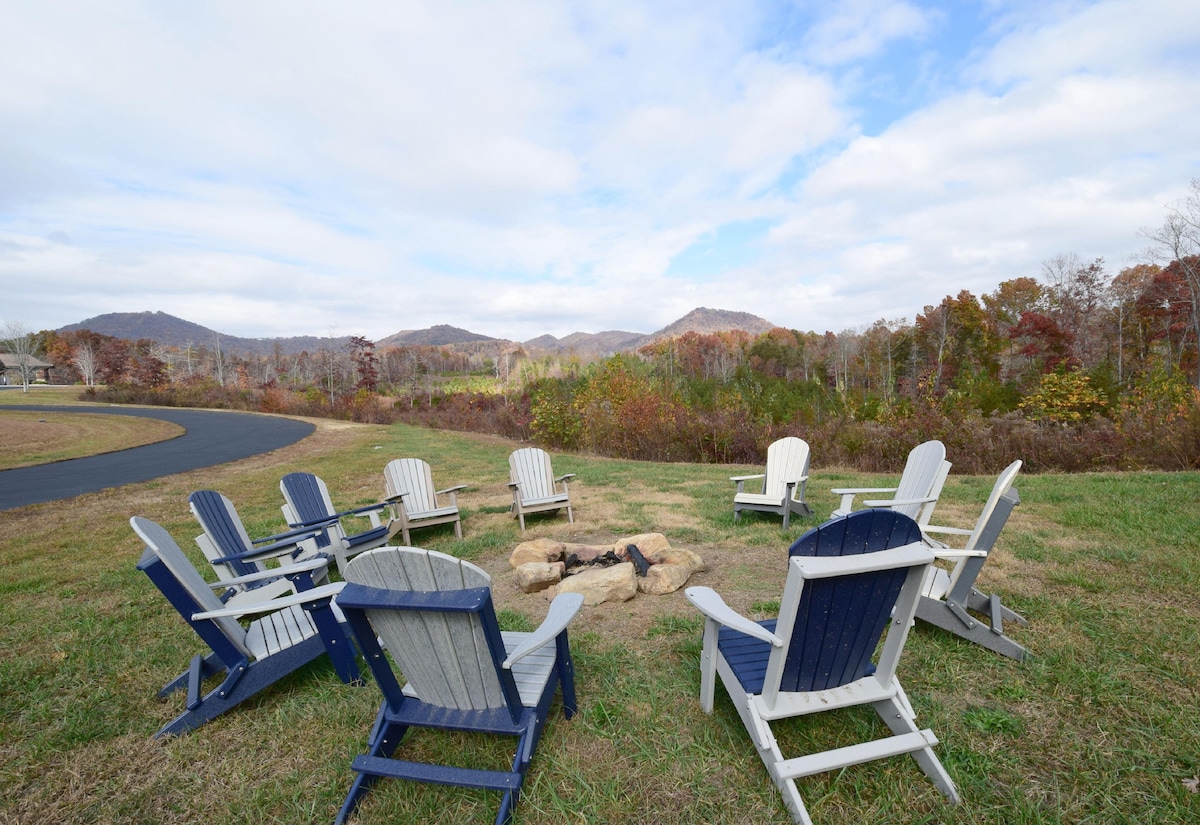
x=1101 y=726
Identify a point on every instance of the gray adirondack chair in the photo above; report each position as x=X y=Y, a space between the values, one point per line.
x=848 y=580
x=915 y=495
x=308 y=505
x=290 y=631
x=534 y=487
x=237 y=559
x=950 y=597
x=433 y=615
x=409 y=490
x=783 y=482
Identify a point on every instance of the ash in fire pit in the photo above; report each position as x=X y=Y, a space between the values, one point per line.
x=646 y=563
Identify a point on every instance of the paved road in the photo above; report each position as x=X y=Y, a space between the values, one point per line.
x=211 y=438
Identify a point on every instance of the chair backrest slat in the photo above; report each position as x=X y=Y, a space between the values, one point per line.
x=1003 y=484
x=838 y=627
x=411 y=476
x=531 y=467
x=840 y=620
x=920 y=473
x=221 y=523
x=201 y=597
x=787 y=461
x=863 y=531
x=445 y=656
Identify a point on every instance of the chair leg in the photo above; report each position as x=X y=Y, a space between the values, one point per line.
x=897 y=718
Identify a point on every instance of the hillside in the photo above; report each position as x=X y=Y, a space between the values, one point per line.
x=702 y=320
x=440 y=335
x=176 y=332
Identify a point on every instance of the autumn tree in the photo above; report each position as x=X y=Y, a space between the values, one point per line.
x=1178 y=239
x=1005 y=307
x=366 y=363
x=23 y=347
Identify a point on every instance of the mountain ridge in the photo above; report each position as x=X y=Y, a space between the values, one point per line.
x=170 y=330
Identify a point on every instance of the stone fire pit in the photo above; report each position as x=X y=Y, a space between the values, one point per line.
x=646 y=563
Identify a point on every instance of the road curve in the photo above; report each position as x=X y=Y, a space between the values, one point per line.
x=210 y=438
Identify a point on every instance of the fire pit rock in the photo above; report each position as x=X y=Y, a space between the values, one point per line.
x=645 y=563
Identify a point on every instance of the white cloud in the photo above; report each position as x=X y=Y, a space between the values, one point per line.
x=519 y=168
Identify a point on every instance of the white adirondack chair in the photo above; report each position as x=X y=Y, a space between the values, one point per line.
x=917 y=493
x=534 y=487
x=433 y=615
x=290 y=631
x=950 y=595
x=783 y=482
x=408 y=489
x=819 y=654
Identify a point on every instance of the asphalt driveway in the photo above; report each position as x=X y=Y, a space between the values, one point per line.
x=210 y=438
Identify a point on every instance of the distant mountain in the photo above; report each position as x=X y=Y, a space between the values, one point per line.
x=707 y=321
x=176 y=332
x=440 y=335
x=702 y=320
x=590 y=345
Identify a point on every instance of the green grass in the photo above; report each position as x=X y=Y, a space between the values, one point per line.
x=1101 y=726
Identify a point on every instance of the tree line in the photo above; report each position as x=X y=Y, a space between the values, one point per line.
x=1077 y=368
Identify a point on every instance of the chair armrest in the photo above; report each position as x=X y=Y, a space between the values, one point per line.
x=307 y=566
x=842 y=491
x=746 y=478
x=896 y=502
x=325 y=591
x=708 y=602
x=824 y=567
x=950 y=553
x=319 y=524
x=454 y=489
x=563 y=609
x=279 y=548
x=564 y=478
x=950 y=531
x=281 y=538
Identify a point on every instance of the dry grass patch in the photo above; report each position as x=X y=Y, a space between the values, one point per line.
x=28 y=438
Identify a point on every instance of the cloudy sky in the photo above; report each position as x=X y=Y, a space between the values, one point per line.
x=520 y=168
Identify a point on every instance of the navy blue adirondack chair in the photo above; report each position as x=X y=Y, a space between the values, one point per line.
x=848 y=581
x=309 y=506
x=290 y=631
x=434 y=616
x=234 y=555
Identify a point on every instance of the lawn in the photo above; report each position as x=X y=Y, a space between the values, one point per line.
x=1101 y=725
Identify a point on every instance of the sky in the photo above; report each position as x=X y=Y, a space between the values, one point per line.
x=288 y=167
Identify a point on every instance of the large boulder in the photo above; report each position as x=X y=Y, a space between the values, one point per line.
x=536 y=575
x=538 y=550
x=603 y=584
